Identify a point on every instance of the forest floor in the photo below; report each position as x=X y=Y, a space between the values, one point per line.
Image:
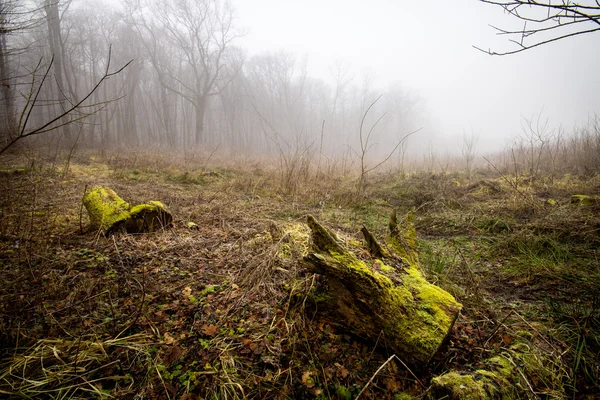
x=218 y=310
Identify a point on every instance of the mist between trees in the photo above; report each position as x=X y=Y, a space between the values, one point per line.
x=188 y=83
x=145 y=73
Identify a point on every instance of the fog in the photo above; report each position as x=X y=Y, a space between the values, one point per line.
x=274 y=76
x=427 y=47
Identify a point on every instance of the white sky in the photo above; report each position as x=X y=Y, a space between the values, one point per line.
x=426 y=45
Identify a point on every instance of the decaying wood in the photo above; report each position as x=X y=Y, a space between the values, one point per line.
x=110 y=213
x=386 y=297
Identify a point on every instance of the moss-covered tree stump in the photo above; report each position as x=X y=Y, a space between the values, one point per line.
x=385 y=297
x=110 y=213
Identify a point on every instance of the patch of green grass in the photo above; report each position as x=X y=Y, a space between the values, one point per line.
x=578 y=325
x=187 y=178
x=132 y=175
x=434 y=259
x=494 y=225
x=534 y=254
x=372 y=214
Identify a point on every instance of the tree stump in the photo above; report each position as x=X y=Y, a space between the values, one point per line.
x=583 y=200
x=386 y=297
x=110 y=213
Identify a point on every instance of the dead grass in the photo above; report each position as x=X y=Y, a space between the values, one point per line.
x=222 y=310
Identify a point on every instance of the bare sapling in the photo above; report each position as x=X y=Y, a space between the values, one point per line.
x=366 y=145
x=468 y=151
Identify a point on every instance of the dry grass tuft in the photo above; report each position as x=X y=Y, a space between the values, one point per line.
x=61 y=369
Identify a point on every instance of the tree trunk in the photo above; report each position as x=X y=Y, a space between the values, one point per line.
x=385 y=296
x=200 y=108
x=54 y=39
x=8 y=113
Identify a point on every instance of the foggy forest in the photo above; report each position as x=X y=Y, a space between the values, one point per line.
x=212 y=199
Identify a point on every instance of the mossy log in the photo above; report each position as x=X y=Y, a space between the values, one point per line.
x=384 y=298
x=507 y=375
x=583 y=200
x=492 y=381
x=110 y=213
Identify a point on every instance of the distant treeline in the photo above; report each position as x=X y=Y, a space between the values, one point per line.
x=189 y=82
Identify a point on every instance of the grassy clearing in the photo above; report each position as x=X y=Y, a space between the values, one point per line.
x=220 y=309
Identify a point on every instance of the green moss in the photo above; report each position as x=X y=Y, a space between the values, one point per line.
x=208 y=290
x=583 y=200
x=430 y=313
x=322 y=239
x=386 y=269
x=343 y=393
x=16 y=171
x=105 y=208
x=437 y=302
x=413 y=313
x=501 y=366
x=454 y=385
x=148 y=217
x=187 y=178
x=320 y=296
x=403 y=237
x=109 y=212
x=351 y=264
x=418 y=312
x=495 y=380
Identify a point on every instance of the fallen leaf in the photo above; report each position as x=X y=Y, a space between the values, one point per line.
x=168 y=338
x=209 y=330
x=392 y=384
x=173 y=355
x=187 y=291
x=344 y=372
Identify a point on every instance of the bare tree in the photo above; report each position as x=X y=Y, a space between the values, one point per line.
x=15 y=18
x=547 y=21
x=57 y=49
x=467 y=149
x=201 y=31
x=6 y=10
x=366 y=145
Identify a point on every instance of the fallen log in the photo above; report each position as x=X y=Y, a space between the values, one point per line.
x=583 y=200
x=516 y=372
x=110 y=213
x=384 y=297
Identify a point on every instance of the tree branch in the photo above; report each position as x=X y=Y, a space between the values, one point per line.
x=45 y=127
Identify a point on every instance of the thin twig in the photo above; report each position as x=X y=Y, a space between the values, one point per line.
x=381 y=367
x=81 y=210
